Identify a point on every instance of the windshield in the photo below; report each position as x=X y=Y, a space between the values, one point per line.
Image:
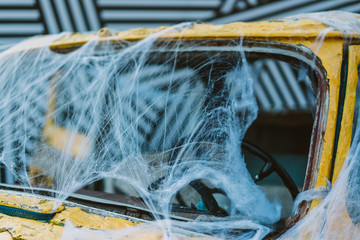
x=175 y=125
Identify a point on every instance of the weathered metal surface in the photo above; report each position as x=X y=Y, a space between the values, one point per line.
x=21 y=228
x=298 y=28
x=82 y=219
x=39 y=205
x=348 y=114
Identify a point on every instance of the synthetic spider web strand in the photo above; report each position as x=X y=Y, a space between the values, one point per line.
x=220 y=161
x=326 y=209
x=120 y=102
x=125 y=119
x=23 y=90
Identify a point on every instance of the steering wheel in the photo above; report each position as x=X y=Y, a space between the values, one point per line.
x=206 y=193
x=270 y=166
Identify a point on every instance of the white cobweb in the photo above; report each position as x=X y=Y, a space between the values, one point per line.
x=137 y=115
x=133 y=114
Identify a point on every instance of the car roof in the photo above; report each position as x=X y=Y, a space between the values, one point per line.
x=271 y=29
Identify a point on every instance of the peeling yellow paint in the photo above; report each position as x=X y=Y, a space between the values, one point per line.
x=28 y=203
x=89 y=226
x=21 y=228
x=82 y=219
x=304 y=28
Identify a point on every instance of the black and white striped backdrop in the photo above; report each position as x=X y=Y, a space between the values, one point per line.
x=23 y=18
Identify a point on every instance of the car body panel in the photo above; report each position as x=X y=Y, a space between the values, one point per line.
x=349 y=105
x=296 y=28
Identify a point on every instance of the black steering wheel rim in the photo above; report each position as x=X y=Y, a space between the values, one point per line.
x=271 y=165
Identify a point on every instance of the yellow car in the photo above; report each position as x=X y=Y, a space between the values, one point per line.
x=196 y=62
